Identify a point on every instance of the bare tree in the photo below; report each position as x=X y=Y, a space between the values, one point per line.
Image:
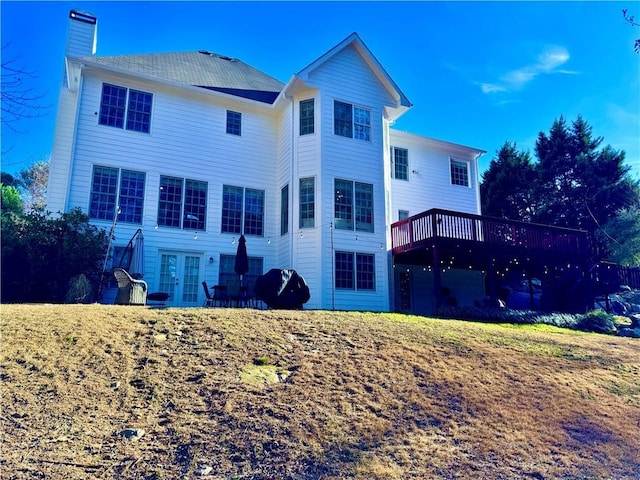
x=632 y=21
x=33 y=185
x=19 y=101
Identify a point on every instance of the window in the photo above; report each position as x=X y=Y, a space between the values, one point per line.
x=351 y=121
x=234 y=122
x=306 y=117
x=195 y=205
x=284 y=210
x=182 y=203
x=402 y=214
x=253 y=211
x=365 y=271
x=107 y=193
x=343 y=205
x=307 y=202
x=227 y=271
x=242 y=207
x=361 y=124
x=400 y=158
x=353 y=205
x=139 y=113
x=114 y=105
x=232 y=209
x=355 y=271
x=131 y=196
x=459 y=173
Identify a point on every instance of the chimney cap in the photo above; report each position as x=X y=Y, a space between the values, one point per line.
x=83 y=16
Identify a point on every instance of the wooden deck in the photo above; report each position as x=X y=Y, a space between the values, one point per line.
x=488 y=235
x=440 y=240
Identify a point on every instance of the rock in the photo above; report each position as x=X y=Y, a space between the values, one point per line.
x=204 y=470
x=132 y=433
x=635 y=320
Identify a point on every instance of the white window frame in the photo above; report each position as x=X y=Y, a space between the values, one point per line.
x=467 y=164
x=353 y=121
x=393 y=163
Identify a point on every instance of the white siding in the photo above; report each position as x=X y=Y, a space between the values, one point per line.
x=285 y=177
x=429 y=184
x=187 y=140
x=61 y=153
x=347 y=78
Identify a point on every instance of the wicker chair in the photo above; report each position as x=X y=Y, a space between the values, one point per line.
x=130 y=290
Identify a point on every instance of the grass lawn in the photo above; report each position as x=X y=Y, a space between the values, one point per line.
x=299 y=395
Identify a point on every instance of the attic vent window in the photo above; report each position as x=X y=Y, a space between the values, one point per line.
x=229 y=59
x=205 y=52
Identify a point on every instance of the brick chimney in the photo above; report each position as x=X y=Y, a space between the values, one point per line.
x=82 y=34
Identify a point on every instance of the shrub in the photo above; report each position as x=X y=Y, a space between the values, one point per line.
x=597 y=321
x=79 y=290
x=41 y=254
x=505 y=315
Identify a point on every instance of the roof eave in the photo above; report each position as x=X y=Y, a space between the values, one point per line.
x=477 y=152
x=377 y=68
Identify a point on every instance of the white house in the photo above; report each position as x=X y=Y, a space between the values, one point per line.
x=197 y=148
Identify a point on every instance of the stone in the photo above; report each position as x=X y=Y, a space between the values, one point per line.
x=204 y=470
x=132 y=433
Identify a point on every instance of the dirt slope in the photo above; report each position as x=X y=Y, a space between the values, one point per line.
x=245 y=394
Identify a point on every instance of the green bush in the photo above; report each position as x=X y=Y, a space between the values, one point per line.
x=79 y=290
x=41 y=254
x=597 y=321
x=505 y=315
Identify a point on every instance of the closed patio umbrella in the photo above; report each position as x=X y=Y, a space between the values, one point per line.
x=137 y=257
x=242 y=260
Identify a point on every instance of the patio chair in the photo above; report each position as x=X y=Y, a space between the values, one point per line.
x=130 y=290
x=251 y=298
x=234 y=292
x=208 y=302
x=219 y=295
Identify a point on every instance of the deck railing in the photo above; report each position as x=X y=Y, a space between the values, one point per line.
x=421 y=230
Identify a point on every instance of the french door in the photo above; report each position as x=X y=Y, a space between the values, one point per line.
x=180 y=278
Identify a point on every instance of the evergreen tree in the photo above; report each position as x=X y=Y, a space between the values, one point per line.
x=581 y=186
x=621 y=235
x=575 y=183
x=506 y=189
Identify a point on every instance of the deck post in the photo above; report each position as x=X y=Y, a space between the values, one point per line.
x=491 y=279
x=437 y=282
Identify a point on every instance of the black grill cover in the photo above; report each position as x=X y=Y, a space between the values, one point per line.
x=282 y=289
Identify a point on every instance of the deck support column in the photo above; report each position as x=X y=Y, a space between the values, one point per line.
x=437 y=282
x=491 y=283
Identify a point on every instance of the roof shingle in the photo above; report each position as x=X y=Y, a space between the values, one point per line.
x=201 y=69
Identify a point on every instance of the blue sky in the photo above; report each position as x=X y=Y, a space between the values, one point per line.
x=477 y=73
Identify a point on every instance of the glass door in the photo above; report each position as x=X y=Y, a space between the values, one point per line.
x=180 y=278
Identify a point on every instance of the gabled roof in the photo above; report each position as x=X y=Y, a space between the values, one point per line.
x=200 y=69
x=376 y=67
